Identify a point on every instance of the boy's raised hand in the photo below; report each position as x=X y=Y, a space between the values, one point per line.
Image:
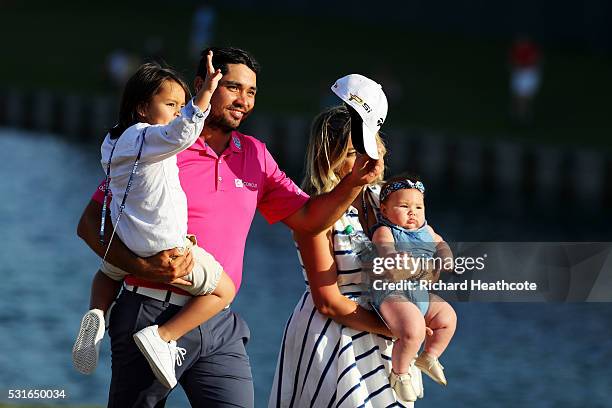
x=202 y=98
x=212 y=75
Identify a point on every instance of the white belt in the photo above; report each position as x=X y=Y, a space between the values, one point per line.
x=159 y=294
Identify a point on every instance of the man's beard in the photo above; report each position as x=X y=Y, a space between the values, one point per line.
x=220 y=122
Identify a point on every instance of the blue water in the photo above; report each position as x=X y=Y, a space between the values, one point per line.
x=503 y=355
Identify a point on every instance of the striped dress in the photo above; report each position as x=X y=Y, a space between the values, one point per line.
x=325 y=364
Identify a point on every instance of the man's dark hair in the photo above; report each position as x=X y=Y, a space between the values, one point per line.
x=138 y=91
x=226 y=55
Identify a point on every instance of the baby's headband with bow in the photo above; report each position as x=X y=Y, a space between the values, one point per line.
x=399 y=185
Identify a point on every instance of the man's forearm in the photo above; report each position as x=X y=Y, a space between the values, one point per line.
x=167 y=266
x=119 y=255
x=321 y=212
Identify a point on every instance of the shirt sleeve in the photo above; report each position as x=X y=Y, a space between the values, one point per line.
x=98 y=195
x=164 y=141
x=281 y=196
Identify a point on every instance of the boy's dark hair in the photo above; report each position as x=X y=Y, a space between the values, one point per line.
x=138 y=91
x=226 y=55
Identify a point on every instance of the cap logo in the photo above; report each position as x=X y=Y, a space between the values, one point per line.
x=353 y=97
x=380 y=122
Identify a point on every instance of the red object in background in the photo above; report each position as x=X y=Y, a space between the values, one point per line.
x=524 y=53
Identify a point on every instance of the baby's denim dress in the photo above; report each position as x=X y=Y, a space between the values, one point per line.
x=420 y=244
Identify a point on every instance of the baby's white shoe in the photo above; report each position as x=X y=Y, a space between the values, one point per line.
x=402 y=385
x=431 y=366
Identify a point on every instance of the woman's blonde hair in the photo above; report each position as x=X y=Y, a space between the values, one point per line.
x=327 y=150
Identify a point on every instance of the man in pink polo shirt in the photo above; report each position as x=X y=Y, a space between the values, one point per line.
x=226 y=176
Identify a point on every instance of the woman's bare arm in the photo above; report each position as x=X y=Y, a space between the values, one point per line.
x=317 y=255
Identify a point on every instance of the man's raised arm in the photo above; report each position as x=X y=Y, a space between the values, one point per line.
x=167 y=266
x=322 y=211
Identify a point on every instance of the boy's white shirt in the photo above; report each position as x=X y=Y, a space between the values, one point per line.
x=155 y=214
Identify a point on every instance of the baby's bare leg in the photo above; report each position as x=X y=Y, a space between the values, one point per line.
x=442 y=319
x=407 y=324
x=198 y=310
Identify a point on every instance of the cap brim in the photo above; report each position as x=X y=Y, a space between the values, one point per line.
x=363 y=139
x=369 y=142
x=356 y=129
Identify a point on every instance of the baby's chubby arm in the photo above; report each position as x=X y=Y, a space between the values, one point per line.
x=384 y=241
x=442 y=251
x=385 y=246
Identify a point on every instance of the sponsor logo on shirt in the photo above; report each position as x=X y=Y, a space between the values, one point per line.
x=240 y=183
x=237 y=142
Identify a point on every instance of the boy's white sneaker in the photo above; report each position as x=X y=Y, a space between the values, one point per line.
x=87 y=344
x=160 y=355
x=432 y=367
x=402 y=385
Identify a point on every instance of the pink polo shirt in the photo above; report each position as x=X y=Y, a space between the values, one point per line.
x=223 y=193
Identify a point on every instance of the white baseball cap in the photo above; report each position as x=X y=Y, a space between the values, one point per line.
x=367 y=98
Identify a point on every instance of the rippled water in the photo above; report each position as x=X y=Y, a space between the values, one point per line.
x=503 y=355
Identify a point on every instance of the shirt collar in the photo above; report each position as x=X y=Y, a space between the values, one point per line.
x=199 y=145
x=236 y=145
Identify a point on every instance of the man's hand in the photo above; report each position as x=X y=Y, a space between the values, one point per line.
x=322 y=211
x=165 y=267
x=168 y=266
x=366 y=170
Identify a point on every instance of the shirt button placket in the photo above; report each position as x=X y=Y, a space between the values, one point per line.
x=219 y=177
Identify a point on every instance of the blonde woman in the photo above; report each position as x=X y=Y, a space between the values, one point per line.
x=335 y=350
